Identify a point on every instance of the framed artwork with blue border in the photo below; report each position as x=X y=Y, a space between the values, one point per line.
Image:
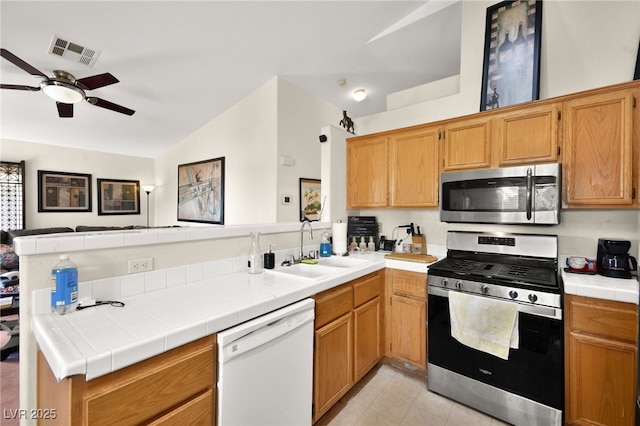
x=511 y=70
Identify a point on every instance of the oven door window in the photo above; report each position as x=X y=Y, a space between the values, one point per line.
x=534 y=370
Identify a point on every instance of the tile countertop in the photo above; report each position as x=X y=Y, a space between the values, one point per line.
x=99 y=340
x=599 y=287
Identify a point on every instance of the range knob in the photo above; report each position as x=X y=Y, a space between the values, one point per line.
x=484 y=289
x=513 y=294
x=445 y=282
x=533 y=298
x=459 y=285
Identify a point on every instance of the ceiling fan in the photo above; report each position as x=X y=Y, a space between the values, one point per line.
x=64 y=88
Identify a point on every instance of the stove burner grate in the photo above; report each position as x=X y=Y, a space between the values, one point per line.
x=518 y=271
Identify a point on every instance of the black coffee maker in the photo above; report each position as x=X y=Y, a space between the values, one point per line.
x=614 y=259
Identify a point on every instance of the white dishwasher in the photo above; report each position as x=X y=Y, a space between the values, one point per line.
x=265 y=369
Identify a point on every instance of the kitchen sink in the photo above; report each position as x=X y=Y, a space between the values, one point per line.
x=305 y=271
x=326 y=266
x=341 y=261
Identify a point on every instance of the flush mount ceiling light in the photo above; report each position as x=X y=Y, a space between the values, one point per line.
x=359 y=95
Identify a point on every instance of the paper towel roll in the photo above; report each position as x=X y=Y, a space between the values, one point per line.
x=339 y=238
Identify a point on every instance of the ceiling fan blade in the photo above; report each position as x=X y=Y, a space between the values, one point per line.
x=20 y=63
x=109 y=105
x=19 y=87
x=96 y=81
x=65 y=110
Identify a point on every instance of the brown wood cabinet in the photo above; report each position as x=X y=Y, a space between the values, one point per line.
x=600 y=361
x=367 y=172
x=594 y=134
x=348 y=338
x=177 y=387
x=406 y=337
x=414 y=171
x=527 y=135
x=466 y=144
x=395 y=169
x=600 y=157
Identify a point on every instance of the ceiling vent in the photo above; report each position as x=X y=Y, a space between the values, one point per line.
x=73 y=52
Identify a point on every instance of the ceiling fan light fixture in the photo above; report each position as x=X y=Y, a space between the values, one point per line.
x=359 y=95
x=62 y=92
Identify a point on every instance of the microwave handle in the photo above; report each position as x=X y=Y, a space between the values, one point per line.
x=529 y=200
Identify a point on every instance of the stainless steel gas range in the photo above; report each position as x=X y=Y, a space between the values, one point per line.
x=502 y=283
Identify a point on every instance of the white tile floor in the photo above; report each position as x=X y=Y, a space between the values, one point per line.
x=388 y=396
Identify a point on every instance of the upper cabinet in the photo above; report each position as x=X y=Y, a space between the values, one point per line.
x=593 y=134
x=367 y=172
x=466 y=144
x=600 y=158
x=526 y=136
x=398 y=169
x=414 y=173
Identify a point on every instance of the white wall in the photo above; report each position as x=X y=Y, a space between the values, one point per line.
x=246 y=135
x=278 y=119
x=97 y=164
x=301 y=116
x=334 y=174
x=585 y=44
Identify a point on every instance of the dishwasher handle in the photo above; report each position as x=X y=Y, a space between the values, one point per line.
x=265 y=334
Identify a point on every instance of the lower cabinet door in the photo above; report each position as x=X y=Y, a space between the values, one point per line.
x=601 y=384
x=333 y=363
x=408 y=330
x=367 y=335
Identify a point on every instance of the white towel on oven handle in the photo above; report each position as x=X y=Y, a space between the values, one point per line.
x=486 y=324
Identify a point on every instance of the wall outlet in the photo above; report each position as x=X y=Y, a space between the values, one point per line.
x=140 y=265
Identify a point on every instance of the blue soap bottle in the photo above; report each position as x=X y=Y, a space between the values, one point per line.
x=325 y=246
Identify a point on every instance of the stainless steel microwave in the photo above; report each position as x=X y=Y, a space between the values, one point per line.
x=509 y=195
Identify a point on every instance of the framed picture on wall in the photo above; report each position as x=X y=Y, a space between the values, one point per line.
x=310 y=199
x=511 y=70
x=201 y=191
x=117 y=196
x=63 y=192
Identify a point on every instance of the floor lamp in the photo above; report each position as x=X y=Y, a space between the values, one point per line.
x=148 y=189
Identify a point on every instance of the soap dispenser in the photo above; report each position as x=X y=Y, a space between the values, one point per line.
x=254 y=259
x=325 y=245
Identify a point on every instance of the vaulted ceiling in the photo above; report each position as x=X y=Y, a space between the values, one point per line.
x=182 y=63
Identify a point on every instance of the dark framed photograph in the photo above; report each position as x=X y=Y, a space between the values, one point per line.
x=201 y=191
x=511 y=70
x=310 y=199
x=116 y=196
x=63 y=192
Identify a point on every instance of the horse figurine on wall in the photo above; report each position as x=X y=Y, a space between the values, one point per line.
x=347 y=122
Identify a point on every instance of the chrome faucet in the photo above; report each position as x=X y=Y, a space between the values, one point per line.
x=304 y=222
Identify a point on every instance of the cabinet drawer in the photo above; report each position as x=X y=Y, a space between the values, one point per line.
x=198 y=411
x=366 y=288
x=332 y=304
x=604 y=318
x=409 y=284
x=158 y=384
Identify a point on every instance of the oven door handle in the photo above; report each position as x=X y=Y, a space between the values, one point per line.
x=529 y=200
x=537 y=310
